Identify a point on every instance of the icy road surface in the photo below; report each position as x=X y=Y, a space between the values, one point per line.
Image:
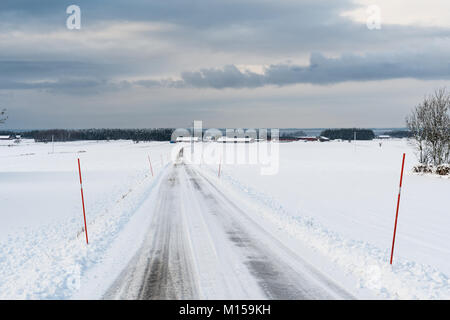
x=202 y=245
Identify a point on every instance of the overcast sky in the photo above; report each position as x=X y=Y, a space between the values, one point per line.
x=230 y=63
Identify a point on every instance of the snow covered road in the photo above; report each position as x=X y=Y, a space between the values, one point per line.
x=203 y=245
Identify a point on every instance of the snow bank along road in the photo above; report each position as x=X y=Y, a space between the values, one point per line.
x=200 y=244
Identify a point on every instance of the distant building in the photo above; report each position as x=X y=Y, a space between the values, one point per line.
x=235 y=140
x=384 y=136
x=288 y=139
x=5 y=138
x=320 y=138
x=308 y=138
x=323 y=139
x=187 y=139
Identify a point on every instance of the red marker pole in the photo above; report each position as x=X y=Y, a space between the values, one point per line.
x=82 y=201
x=398 y=205
x=151 y=168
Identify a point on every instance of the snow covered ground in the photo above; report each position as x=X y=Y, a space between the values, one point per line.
x=42 y=248
x=334 y=202
x=340 y=198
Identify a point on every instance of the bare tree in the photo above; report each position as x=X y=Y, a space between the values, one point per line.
x=429 y=123
x=416 y=124
x=3 y=116
x=438 y=128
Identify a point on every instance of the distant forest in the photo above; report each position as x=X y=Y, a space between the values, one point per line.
x=348 y=134
x=292 y=135
x=160 y=134
x=164 y=134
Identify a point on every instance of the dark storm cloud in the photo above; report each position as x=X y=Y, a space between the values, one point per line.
x=258 y=27
x=245 y=25
x=199 y=13
x=57 y=76
x=232 y=25
x=29 y=69
x=350 y=67
x=228 y=77
x=321 y=70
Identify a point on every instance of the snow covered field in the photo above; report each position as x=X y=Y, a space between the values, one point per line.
x=340 y=199
x=42 y=250
x=335 y=199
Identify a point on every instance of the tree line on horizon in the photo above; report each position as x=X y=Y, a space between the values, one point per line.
x=62 y=135
x=348 y=134
x=164 y=134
